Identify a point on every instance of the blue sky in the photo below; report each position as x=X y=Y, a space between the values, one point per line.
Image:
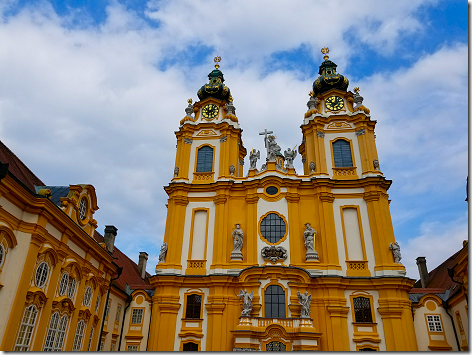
x=107 y=82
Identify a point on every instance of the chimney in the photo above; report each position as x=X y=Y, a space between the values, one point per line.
x=423 y=270
x=143 y=257
x=109 y=238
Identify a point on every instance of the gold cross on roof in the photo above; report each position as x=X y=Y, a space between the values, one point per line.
x=190 y=101
x=325 y=51
x=217 y=60
x=356 y=90
x=311 y=93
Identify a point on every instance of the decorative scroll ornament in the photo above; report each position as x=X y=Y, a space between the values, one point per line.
x=274 y=253
x=309 y=238
x=247 y=302
x=320 y=134
x=305 y=301
x=188 y=140
x=395 y=248
x=238 y=243
x=163 y=253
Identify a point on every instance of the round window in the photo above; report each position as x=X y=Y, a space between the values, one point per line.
x=273 y=228
x=41 y=275
x=63 y=284
x=87 y=296
x=272 y=190
x=82 y=208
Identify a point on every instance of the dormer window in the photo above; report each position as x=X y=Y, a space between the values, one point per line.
x=82 y=208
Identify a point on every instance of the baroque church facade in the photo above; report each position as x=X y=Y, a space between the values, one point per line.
x=277 y=260
x=271 y=260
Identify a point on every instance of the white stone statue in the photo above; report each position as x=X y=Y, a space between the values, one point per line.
x=309 y=237
x=254 y=155
x=232 y=169
x=305 y=301
x=289 y=155
x=247 y=302
x=395 y=248
x=238 y=243
x=312 y=167
x=163 y=253
x=272 y=148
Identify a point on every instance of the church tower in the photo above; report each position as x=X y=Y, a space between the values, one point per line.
x=276 y=260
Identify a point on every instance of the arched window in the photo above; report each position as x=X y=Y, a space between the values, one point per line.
x=190 y=347
x=71 y=292
x=26 y=328
x=362 y=310
x=52 y=332
x=61 y=332
x=274 y=300
x=88 y=296
x=205 y=160
x=90 y=339
x=275 y=346
x=194 y=303
x=342 y=154
x=63 y=284
x=79 y=334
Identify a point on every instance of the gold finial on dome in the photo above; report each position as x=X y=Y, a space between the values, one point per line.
x=325 y=51
x=356 y=89
x=190 y=101
x=217 y=60
x=311 y=93
x=230 y=99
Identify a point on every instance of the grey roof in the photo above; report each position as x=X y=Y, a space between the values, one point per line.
x=56 y=193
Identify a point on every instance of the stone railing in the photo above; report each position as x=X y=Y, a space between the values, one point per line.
x=345 y=173
x=196 y=264
x=356 y=265
x=203 y=178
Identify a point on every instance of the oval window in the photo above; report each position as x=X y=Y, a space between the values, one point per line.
x=273 y=228
x=272 y=190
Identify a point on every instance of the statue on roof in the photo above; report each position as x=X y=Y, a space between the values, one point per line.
x=254 y=155
x=289 y=155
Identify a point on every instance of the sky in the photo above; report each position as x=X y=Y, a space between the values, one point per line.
x=92 y=91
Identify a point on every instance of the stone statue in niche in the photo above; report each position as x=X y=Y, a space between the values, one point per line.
x=232 y=169
x=305 y=301
x=289 y=155
x=238 y=243
x=395 y=248
x=176 y=171
x=163 y=253
x=309 y=237
x=254 y=155
x=247 y=302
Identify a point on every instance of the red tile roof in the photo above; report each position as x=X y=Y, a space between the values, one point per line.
x=438 y=277
x=18 y=168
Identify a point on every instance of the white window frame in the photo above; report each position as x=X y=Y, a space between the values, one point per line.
x=434 y=323
x=82 y=208
x=97 y=304
x=90 y=339
x=41 y=274
x=132 y=348
x=52 y=332
x=118 y=313
x=88 y=296
x=137 y=316
x=26 y=328
x=61 y=333
x=79 y=334
x=64 y=284
x=71 y=288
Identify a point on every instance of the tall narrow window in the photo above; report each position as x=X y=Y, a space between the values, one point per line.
x=118 y=313
x=63 y=284
x=90 y=340
x=274 y=300
x=49 y=345
x=205 y=159
x=79 y=334
x=362 y=310
x=26 y=329
x=194 y=303
x=88 y=296
x=71 y=291
x=342 y=154
x=97 y=303
x=61 y=332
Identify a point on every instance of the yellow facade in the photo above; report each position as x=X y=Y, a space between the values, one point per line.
x=347 y=206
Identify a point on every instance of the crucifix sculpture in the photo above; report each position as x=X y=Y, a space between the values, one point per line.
x=265 y=134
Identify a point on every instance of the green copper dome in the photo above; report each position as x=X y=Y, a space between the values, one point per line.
x=215 y=88
x=328 y=78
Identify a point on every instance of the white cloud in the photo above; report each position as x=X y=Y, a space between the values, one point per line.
x=436 y=242
x=89 y=104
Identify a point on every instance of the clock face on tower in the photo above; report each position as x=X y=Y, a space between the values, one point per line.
x=334 y=103
x=210 y=111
